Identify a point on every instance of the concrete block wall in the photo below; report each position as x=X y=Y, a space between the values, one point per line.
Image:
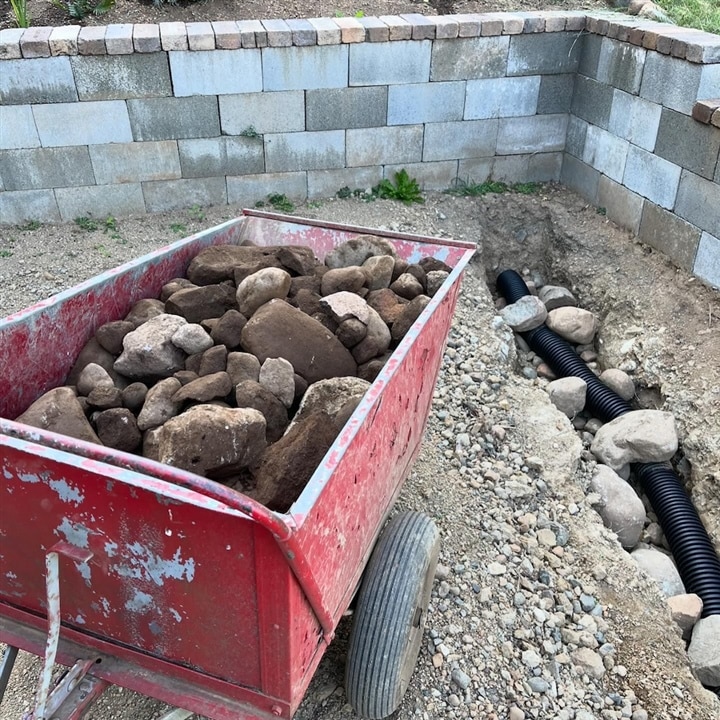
x=131 y=119
x=641 y=142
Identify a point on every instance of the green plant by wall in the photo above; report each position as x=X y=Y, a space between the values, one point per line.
x=700 y=14
x=20 y=12
x=403 y=188
x=78 y=9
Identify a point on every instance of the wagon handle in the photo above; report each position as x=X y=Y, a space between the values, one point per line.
x=283 y=529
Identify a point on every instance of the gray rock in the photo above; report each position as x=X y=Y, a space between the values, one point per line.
x=637 y=436
x=435 y=279
x=250 y=394
x=105 y=397
x=358 y=250
x=588 y=662
x=568 y=395
x=685 y=611
x=376 y=341
x=93 y=376
x=149 y=350
x=526 y=314
x=350 y=332
x=620 y=508
x=206 y=388
x=278 y=376
x=345 y=305
x=212 y=441
x=379 y=270
x=133 y=396
x=261 y=287
x=703 y=651
x=555 y=296
x=661 y=568
x=574 y=324
x=242 y=366
x=159 y=405
x=59 y=411
x=620 y=382
x=331 y=396
x=192 y=339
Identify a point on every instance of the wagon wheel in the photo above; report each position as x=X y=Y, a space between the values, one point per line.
x=390 y=615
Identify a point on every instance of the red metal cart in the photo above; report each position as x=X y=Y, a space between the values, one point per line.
x=139 y=574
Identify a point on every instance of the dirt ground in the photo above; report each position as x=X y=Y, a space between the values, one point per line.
x=636 y=293
x=45 y=12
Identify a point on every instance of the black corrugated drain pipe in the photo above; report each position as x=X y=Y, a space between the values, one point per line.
x=695 y=556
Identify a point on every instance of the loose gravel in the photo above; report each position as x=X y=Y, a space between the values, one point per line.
x=536 y=611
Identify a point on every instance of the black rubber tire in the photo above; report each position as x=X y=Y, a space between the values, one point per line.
x=390 y=615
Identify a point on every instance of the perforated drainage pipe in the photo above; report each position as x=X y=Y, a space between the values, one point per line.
x=695 y=556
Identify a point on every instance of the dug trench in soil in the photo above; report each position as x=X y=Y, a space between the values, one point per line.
x=637 y=295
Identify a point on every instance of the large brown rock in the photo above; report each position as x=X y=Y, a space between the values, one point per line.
x=334 y=396
x=388 y=305
x=144 y=310
x=251 y=394
x=227 y=329
x=205 y=388
x=117 y=428
x=279 y=330
x=93 y=376
x=410 y=313
x=242 y=366
x=261 y=287
x=196 y=304
x=218 y=263
x=358 y=250
x=59 y=411
x=348 y=279
x=149 y=350
x=297 y=258
x=213 y=360
x=93 y=352
x=110 y=335
x=173 y=286
x=289 y=463
x=215 y=442
x=376 y=341
x=159 y=405
x=246 y=269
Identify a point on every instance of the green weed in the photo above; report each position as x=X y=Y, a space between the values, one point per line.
x=5 y=253
x=314 y=204
x=178 y=228
x=110 y=224
x=102 y=250
x=78 y=9
x=601 y=211
x=86 y=223
x=469 y=188
x=528 y=188
x=250 y=132
x=344 y=192
x=196 y=213
x=281 y=203
x=30 y=226
x=403 y=188
x=20 y=12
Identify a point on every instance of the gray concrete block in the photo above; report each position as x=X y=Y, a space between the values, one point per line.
x=398 y=29
x=179 y=194
x=146 y=38
x=592 y=101
x=246 y=191
x=404 y=61
x=91 y=40
x=38 y=80
x=541 y=133
x=622 y=206
x=200 y=36
x=430 y=175
x=459 y=140
x=634 y=119
x=669 y=234
x=375 y=29
x=698 y=202
x=605 y=152
x=35 y=42
x=501 y=97
x=543 y=54
x=86 y=123
x=707 y=260
x=45 y=168
x=474 y=170
x=303 y=33
x=174 y=118
x=671 y=82
x=544 y=167
x=590 y=45
x=133 y=162
x=99 y=201
x=556 y=93
x=688 y=143
x=709 y=86
x=384 y=145
x=288 y=152
x=264 y=112
x=278 y=32
x=17 y=127
x=651 y=176
x=228 y=35
x=580 y=177
x=311 y=68
x=510 y=168
x=25 y=205
x=469 y=59
x=119 y=39
x=325 y=183
x=621 y=65
x=10 y=43
x=116 y=77
x=425 y=102
x=576 y=134
x=173 y=36
x=221 y=156
x=342 y=108
x=64 y=40
x=215 y=72
x=328 y=33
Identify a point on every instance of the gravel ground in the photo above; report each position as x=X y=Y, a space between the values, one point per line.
x=536 y=612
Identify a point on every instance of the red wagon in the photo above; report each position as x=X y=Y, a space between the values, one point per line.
x=142 y=575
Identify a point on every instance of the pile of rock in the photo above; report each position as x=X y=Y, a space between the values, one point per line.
x=246 y=370
x=640 y=436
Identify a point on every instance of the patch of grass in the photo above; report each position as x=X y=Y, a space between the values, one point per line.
x=528 y=188
x=20 y=13
x=178 y=228
x=78 y=9
x=701 y=14
x=102 y=250
x=344 y=192
x=5 y=253
x=250 y=132
x=30 y=226
x=469 y=188
x=110 y=224
x=86 y=223
x=314 y=204
x=403 y=188
x=196 y=213
x=280 y=203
